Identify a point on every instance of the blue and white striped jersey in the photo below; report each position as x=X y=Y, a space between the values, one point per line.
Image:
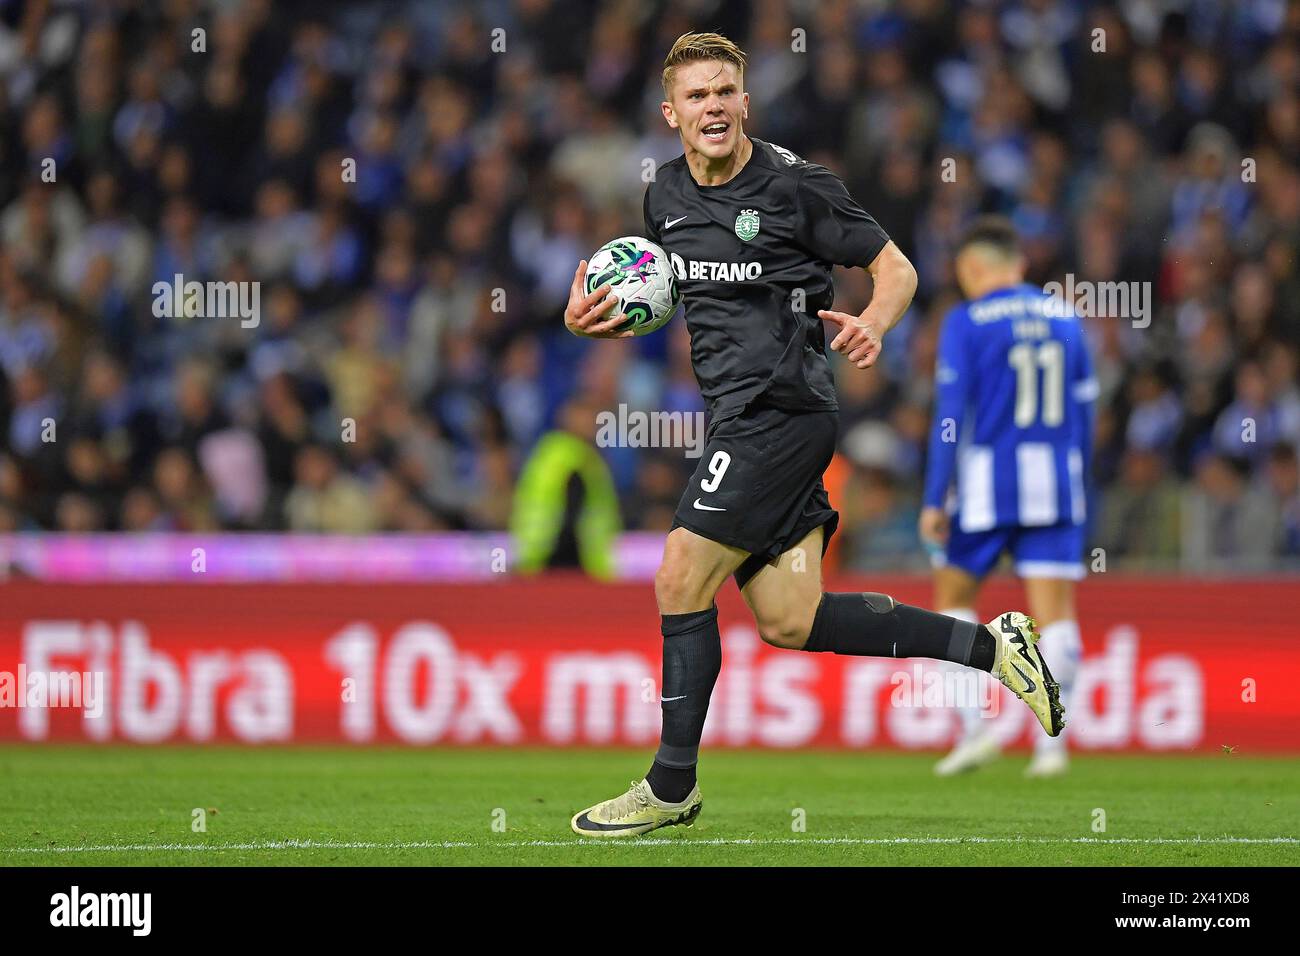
x=1013 y=412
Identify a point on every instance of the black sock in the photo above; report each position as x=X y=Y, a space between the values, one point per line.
x=875 y=625
x=692 y=660
x=671 y=784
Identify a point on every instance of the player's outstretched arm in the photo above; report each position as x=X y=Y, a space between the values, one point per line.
x=584 y=315
x=859 y=338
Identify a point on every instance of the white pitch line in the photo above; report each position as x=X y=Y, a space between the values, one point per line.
x=683 y=843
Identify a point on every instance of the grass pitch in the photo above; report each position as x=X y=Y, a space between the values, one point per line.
x=81 y=806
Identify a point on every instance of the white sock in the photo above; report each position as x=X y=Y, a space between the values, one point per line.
x=972 y=723
x=1062 y=648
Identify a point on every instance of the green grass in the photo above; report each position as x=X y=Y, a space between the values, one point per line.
x=142 y=799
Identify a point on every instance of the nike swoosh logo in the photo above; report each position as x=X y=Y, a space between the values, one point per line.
x=707 y=507
x=669 y=223
x=1032 y=686
x=666 y=699
x=586 y=823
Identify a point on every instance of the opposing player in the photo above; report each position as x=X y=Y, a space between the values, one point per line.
x=752 y=231
x=1012 y=433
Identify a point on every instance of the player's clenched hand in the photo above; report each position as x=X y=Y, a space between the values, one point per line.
x=933 y=526
x=585 y=314
x=858 y=339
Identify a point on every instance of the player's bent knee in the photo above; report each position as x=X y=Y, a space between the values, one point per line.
x=788 y=630
x=880 y=603
x=672 y=584
x=679 y=585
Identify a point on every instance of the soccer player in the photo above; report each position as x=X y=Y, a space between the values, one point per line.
x=1013 y=426
x=752 y=231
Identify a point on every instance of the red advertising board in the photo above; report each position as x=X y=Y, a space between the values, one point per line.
x=1169 y=665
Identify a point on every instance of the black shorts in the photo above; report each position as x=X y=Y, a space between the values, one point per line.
x=758 y=486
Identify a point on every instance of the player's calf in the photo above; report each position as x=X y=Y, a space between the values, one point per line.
x=875 y=625
x=692 y=570
x=871 y=624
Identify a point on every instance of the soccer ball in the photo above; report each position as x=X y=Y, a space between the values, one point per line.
x=639 y=273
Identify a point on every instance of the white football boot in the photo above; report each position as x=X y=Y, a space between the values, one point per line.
x=636 y=812
x=1051 y=763
x=973 y=752
x=1019 y=664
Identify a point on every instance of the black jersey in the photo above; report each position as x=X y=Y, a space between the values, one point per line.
x=742 y=252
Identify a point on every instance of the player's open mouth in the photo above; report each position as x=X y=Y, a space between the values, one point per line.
x=716 y=132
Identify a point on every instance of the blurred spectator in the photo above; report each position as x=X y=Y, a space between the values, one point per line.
x=1139 y=526
x=109 y=232
x=36 y=409
x=1227 y=525
x=880 y=522
x=185 y=498
x=78 y=513
x=1284 y=483
x=326 y=499
x=566 y=511
x=1249 y=426
x=1155 y=412
x=142 y=511
x=878 y=515
x=659 y=488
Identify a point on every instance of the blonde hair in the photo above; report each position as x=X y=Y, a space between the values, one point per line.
x=693 y=47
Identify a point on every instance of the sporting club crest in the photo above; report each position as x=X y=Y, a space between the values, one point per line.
x=747 y=224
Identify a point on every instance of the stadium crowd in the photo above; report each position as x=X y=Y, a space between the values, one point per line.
x=411 y=186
